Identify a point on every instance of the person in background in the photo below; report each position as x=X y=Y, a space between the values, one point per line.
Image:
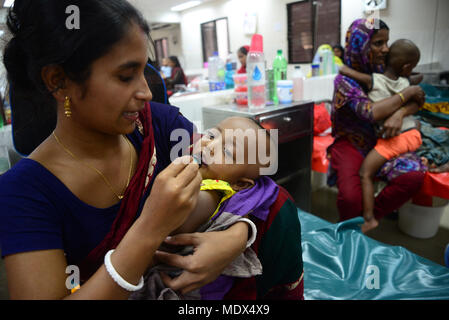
x=166 y=69
x=177 y=74
x=353 y=118
x=397 y=80
x=242 y=53
x=339 y=51
x=339 y=54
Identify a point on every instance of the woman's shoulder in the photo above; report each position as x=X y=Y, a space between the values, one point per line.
x=25 y=170
x=27 y=178
x=29 y=215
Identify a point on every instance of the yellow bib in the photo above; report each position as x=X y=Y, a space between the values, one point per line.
x=223 y=187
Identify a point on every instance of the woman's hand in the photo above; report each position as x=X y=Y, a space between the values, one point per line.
x=392 y=125
x=173 y=196
x=213 y=252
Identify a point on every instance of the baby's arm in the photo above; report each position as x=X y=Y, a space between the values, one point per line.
x=415 y=79
x=207 y=204
x=364 y=78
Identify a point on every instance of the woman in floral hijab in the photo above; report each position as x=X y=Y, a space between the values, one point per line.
x=353 y=120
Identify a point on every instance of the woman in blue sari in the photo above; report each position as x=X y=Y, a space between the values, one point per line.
x=91 y=186
x=101 y=193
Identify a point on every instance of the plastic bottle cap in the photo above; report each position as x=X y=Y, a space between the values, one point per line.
x=256 y=43
x=279 y=51
x=215 y=54
x=298 y=67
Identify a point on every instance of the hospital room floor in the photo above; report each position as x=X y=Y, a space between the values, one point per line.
x=388 y=232
x=323 y=206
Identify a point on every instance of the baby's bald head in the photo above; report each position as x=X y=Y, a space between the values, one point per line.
x=403 y=52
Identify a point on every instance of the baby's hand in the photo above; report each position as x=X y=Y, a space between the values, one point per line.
x=418 y=95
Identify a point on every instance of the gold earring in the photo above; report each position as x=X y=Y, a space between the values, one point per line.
x=67 y=105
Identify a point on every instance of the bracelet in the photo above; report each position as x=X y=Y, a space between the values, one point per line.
x=401 y=96
x=253 y=231
x=117 y=278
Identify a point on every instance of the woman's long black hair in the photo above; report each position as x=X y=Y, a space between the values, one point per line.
x=175 y=61
x=41 y=37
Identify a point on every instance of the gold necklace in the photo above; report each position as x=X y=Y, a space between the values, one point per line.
x=120 y=197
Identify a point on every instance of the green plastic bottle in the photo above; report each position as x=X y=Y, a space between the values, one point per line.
x=280 y=73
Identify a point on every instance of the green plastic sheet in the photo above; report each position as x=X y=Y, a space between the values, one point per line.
x=341 y=263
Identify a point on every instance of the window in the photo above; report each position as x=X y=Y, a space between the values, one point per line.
x=161 y=46
x=311 y=24
x=215 y=38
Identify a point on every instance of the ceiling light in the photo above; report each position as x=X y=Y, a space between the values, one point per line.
x=8 y=3
x=186 y=5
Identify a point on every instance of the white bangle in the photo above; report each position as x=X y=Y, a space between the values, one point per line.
x=117 y=278
x=253 y=231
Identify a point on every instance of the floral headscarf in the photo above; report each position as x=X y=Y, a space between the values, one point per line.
x=358 y=54
x=352 y=116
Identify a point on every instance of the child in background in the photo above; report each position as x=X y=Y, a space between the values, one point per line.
x=233 y=190
x=166 y=69
x=242 y=53
x=402 y=59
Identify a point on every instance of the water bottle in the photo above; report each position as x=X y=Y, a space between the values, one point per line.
x=255 y=68
x=270 y=88
x=216 y=73
x=327 y=62
x=221 y=73
x=229 y=81
x=298 y=84
x=232 y=58
x=280 y=72
x=315 y=70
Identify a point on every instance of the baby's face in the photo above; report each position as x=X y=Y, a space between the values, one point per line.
x=229 y=151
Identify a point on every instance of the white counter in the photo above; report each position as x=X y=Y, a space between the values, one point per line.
x=319 y=88
x=191 y=105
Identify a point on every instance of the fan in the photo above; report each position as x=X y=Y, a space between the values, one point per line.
x=371 y=5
